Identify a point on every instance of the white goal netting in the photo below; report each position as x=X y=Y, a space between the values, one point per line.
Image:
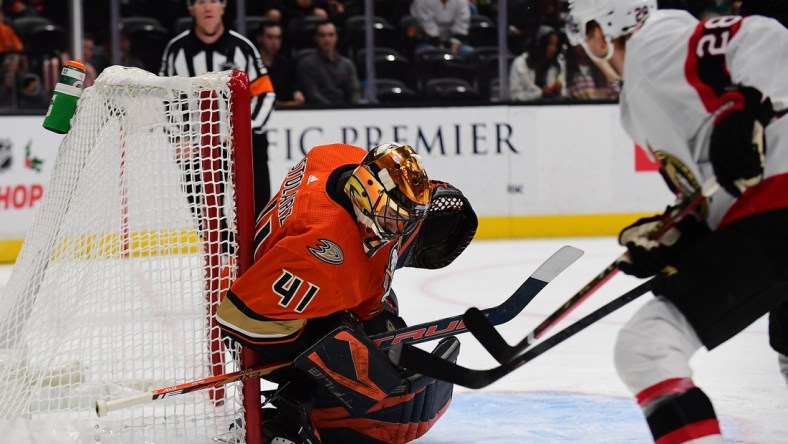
x=129 y=253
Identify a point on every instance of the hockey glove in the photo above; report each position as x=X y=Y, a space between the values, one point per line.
x=388 y=319
x=646 y=255
x=737 y=143
x=444 y=234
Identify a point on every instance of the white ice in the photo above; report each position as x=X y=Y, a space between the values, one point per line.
x=572 y=393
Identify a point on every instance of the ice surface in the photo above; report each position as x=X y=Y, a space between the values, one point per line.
x=572 y=393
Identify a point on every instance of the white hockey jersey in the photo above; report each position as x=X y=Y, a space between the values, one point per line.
x=674 y=71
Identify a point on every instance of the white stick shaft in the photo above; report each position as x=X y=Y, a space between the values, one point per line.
x=103 y=407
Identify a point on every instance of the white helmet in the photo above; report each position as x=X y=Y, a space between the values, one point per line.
x=615 y=17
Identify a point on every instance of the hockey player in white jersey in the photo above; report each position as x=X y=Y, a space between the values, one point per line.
x=708 y=98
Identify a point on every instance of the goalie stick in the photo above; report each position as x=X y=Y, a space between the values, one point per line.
x=424 y=332
x=498 y=347
x=420 y=361
x=500 y=314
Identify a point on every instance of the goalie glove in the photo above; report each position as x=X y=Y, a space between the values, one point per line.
x=444 y=234
x=737 y=143
x=646 y=255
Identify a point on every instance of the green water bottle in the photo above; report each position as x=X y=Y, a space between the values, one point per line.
x=64 y=99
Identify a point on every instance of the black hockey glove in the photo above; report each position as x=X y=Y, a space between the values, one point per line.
x=444 y=234
x=388 y=319
x=647 y=256
x=737 y=143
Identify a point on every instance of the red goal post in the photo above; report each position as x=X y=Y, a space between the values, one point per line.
x=146 y=219
x=239 y=85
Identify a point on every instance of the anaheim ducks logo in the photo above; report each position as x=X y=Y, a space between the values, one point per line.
x=328 y=252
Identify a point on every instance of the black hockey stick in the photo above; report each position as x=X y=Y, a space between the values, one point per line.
x=480 y=327
x=500 y=314
x=420 y=361
x=427 y=331
x=503 y=352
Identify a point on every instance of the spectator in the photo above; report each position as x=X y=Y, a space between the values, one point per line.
x=337 y=10
x=104 y=60
x=474 y=7
x=271 y=9
x=281 y=68
x=56 y=11
x=207 y=47
x=30 y=92
x=584 y=79
x=19 y=88
x=538 y=74
x=526 y=17
x=9 y=40
x=274 y=14
x=53 y=65
x=11 y=60
x=300 y=18
x=325 y=76
x=10 y=67
x=443 y=24
x=295 y=10
x=13 y=8
x=89 y=59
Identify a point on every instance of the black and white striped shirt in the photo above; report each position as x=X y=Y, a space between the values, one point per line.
x=186 y=55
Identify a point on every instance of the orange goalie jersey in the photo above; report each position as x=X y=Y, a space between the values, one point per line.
x=309 y=257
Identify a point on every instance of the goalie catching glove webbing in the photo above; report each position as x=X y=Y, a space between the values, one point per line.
x=446 y=231
x=737 y=142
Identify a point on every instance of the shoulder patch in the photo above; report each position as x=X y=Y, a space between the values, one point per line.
x=328 y=252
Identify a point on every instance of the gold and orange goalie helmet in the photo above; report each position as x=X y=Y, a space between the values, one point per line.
x=390 y=192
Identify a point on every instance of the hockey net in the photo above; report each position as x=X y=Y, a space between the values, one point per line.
x=144 y=222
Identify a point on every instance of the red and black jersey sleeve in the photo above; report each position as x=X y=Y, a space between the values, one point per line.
x=705 y=67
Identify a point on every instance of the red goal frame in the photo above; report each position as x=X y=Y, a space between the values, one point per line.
x=245 y=218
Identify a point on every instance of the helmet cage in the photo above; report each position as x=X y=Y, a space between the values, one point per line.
x=390 y=192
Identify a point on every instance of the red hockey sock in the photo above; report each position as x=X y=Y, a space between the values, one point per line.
x=677 y=411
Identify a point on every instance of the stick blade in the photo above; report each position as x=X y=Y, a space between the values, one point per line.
x=558 y=262
x=486 y=334
x=422 y=362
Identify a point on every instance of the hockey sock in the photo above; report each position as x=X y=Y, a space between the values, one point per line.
x=679 y=412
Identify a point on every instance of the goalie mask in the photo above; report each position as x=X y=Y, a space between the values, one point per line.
x=616 y=18
x=390 y=193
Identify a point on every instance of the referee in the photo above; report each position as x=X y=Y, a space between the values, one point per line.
x=209 y=46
